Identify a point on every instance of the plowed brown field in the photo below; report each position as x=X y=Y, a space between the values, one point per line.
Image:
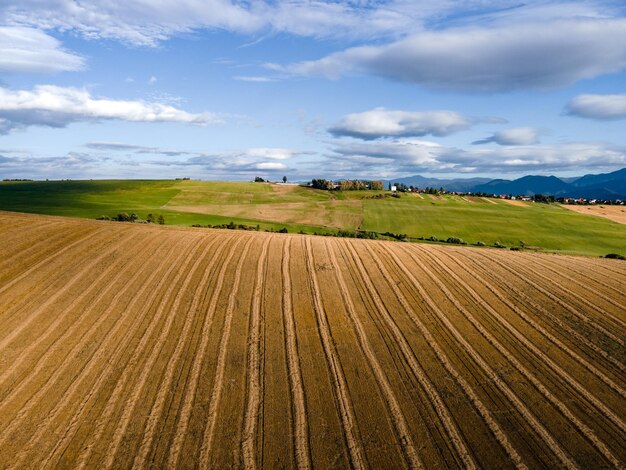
x=136 y=346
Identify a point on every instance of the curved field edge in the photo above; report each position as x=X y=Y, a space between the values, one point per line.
x=144 y=346
x=298 y=208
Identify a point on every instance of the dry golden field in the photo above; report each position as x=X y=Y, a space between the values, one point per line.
x=138 y=346
x=614 y=213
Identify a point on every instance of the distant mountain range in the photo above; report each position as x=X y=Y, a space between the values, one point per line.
x=602 y=186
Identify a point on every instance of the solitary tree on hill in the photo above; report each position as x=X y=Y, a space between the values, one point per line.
x=284 y=179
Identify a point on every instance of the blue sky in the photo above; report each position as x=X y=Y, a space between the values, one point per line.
x=221 y=89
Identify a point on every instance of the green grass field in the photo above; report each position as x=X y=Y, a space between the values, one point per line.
x=550 y=227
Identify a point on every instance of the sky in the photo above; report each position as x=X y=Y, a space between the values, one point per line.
x=230 y=90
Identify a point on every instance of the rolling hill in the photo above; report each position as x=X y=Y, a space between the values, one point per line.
x=301 y=209
x=127 y=345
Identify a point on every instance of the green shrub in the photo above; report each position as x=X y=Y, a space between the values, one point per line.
x=615 y=256
x=456 y=241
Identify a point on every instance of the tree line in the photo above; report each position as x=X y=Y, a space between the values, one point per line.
x=348 y=185
x=125 y=217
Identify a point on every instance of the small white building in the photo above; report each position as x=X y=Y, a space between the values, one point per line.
x=393 y=188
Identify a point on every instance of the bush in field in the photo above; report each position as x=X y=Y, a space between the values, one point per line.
x=480 y=244
x=123 y=217
x=499 y=245
x=456 y=241
x=161 y=220
x=150 y=219
x=398 y=236
x=615 y=256
x=319 y=183
x=103 y=217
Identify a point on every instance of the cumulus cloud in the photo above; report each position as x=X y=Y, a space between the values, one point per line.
x=54 y=106
x=499 y=57
x=514 y=136
x=273 y=153
x=270 y=166
x=30 y=50
x=245 y=162
x=381 y=122
x=406 y=156
x=600 y=107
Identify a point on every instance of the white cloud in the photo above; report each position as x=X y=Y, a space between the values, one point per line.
x=407 y=156
x=601 y=107
x=53 y=106
x=116 y=146
x=142 y=22
x=239 y=162
x=133 y=21
x=514 y=136
x=273 y=153
x=30 y=50
x=255 y=78
x=500 y=57
x=73 y=164
x=147 y=23
x=247 y=156
x=270 y=166
x=152 y=80
x=381 y=122
x=138 y=149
